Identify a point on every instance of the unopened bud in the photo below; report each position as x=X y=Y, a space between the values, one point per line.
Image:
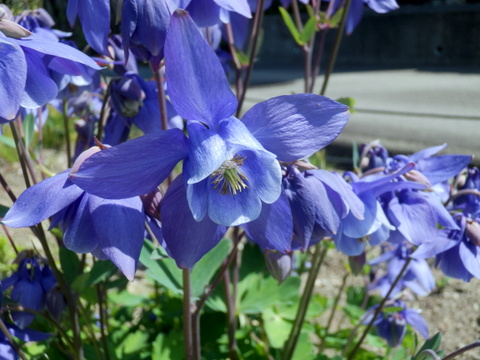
x=472 y=231
x=278 y=264
x=417 y=176
x=357 y=263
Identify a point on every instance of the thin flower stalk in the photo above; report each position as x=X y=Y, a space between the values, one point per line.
x=10 y=339
x=336 y=46
x=68 y=142
x=317 y=262
x=379 y=308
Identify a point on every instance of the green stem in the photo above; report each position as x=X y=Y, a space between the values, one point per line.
x=187 y=316
x=162 y=102
x=379 y=309
x=103 y=323
x=257 y=23
x=336 y=46
x=67 y=134
x=21 y=158
x=334 y=310
x=468 y=347
x=317 y=261
x=12 y=342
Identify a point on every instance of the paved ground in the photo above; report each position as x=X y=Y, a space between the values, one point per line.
x=406 y=109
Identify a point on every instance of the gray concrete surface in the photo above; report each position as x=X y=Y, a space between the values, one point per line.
x=406 y=109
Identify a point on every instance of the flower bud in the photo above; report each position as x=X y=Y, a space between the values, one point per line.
x=12 y=29
x=357 y=263
x=127 y=96
x=279 y=265
x=472 y=230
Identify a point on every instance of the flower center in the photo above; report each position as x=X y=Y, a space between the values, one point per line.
x=228 y=178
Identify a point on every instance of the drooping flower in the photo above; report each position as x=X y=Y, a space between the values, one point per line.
x=109 y=229
x=29 y=68
x=319 y=200
x=230 y=170
x=31 y=284
x=392 y=325
x=417 y=277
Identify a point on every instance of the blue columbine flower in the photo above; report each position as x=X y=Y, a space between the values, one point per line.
x=230 y=166
x=417 y=277
x=319 y=200
x=392 y=325
x=30 y=286
x=109 y=229
x=29 y=68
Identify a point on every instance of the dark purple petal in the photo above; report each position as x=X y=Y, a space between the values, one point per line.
x=354 y=16
x=119 y=225
x=27 y=334
x=29 y=294
x=133 y=168
x=205 y=13
x=13 y=72
x=280 y=124
x=273 y=229
x=452 y=265
x=197 y=84
x=187 y=240
x=42 y=200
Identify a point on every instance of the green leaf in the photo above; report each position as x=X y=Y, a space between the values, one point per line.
x=28 y=129
x=3 y=211
x=334 y=21
x=70 y=264
x=287 y=19
x=433 y=344
x=163 y=271
x=168 y=346
x=276 y=328
x=350 y=102
x=102 y=270
x=257 y=293
x=124 y=298
x=354 y=312
x=308 y=30
x=206 y=267
x=305 y=347
x=7 y=141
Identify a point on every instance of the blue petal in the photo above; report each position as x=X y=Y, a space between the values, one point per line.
x=13 y=72
x=280 y=124
x=416 y=320
x=30 y=295
x=39 y=88
x=273 y=229
x=187 y=240
x=349 y=246
x=197 y=84
x=42 y=200
x=239 y=6
x=27 y=334
x=133 y=168
x=56 y=49
x=442 y=167
x=94 y=16
x=469 y=255
x=79 y=234
x=232 y=210
x=119 y=225
x=354 y=16
x=207 y=153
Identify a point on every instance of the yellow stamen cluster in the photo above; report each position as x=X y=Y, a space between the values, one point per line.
x=228 y=179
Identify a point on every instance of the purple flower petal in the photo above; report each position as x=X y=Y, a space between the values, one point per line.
x=273 y=229
x=133 y=168
x=119 y=225
x=280 y=124
x=39 y=88
x=197 y=84
x=94 y=16
x=416 y=320
x=13 y=72
x=79 y=234
x=42 y=200
x=187 y=240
